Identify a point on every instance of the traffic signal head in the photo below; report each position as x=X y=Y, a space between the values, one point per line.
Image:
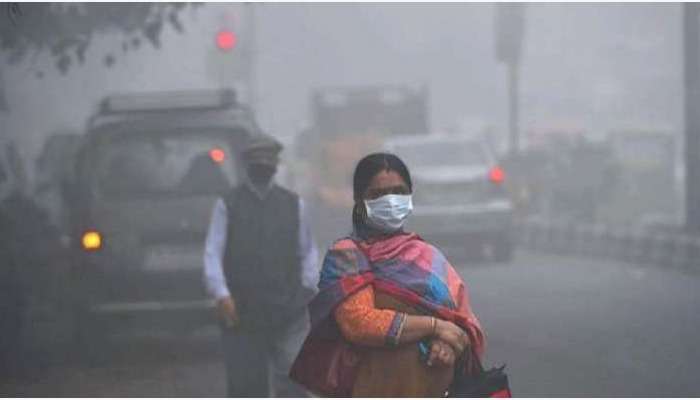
x=226 y=40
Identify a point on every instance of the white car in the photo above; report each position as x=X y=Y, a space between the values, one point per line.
x=459 y=196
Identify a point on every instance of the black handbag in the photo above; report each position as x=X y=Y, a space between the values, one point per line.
x=491 y=383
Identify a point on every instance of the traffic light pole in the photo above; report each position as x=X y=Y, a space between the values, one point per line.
x=691 y=45
x=252 y=56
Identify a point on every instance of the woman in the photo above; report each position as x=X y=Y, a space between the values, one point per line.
x=392 y=316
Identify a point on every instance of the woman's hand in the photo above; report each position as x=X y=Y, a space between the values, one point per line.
x=452 y=335
x=441 y=354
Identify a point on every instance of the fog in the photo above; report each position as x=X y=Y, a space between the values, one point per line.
x=593 y=198
x=593 y=67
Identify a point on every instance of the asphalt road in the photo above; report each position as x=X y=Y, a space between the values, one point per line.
x=569 y=327
x=565 y=327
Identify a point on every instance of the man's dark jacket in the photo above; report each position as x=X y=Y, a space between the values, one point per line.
x=262 y=262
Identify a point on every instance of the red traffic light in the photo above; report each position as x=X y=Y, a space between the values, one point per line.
x=226 y=40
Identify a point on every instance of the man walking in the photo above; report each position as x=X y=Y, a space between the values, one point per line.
x=260 y=264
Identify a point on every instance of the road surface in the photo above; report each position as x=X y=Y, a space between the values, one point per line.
x=565 y=327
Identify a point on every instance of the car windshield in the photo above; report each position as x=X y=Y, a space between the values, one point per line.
x=147 y=165
x=442 y=154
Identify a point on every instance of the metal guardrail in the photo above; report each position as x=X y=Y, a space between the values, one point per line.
x=668 y=250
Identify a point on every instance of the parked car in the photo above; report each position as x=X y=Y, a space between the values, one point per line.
x=25 y=255
x=459 y=196
x=147 y=175
x=12 y=298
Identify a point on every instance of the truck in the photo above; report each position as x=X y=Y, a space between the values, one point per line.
x=347 y=124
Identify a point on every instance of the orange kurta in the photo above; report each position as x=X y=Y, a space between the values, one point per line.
x=386 y=371
x=361 y=322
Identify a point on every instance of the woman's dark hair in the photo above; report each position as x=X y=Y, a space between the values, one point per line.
x=368 y=168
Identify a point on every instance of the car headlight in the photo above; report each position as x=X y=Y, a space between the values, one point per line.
x=92 y=241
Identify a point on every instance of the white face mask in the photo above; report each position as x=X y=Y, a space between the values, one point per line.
x=388 y=213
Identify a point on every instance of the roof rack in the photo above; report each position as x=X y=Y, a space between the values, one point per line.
x=159 y=101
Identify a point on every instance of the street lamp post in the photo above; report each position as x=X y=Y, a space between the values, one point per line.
x=691 y=43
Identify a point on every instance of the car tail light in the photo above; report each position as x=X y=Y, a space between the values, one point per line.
x=496 y=175
x=217 y=155
x=92 y=241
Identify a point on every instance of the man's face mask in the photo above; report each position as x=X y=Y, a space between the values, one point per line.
x=261 y=174
x=389 y=213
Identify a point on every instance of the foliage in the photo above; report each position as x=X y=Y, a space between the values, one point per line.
x=66 y=30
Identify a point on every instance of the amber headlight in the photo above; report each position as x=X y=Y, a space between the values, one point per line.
x=92 y=240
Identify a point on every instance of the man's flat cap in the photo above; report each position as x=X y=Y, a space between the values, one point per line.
x=262 y=148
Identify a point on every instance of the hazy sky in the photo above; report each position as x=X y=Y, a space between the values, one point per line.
x=592 y=67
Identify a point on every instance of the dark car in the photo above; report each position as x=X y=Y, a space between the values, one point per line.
x=26 y=261
x=459 y=201
x=12 y=293
x=147 y=176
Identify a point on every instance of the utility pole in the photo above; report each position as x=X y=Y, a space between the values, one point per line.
x=509 y=23
x=691 y=47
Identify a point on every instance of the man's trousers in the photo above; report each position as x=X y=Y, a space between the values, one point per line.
x=258 y=363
